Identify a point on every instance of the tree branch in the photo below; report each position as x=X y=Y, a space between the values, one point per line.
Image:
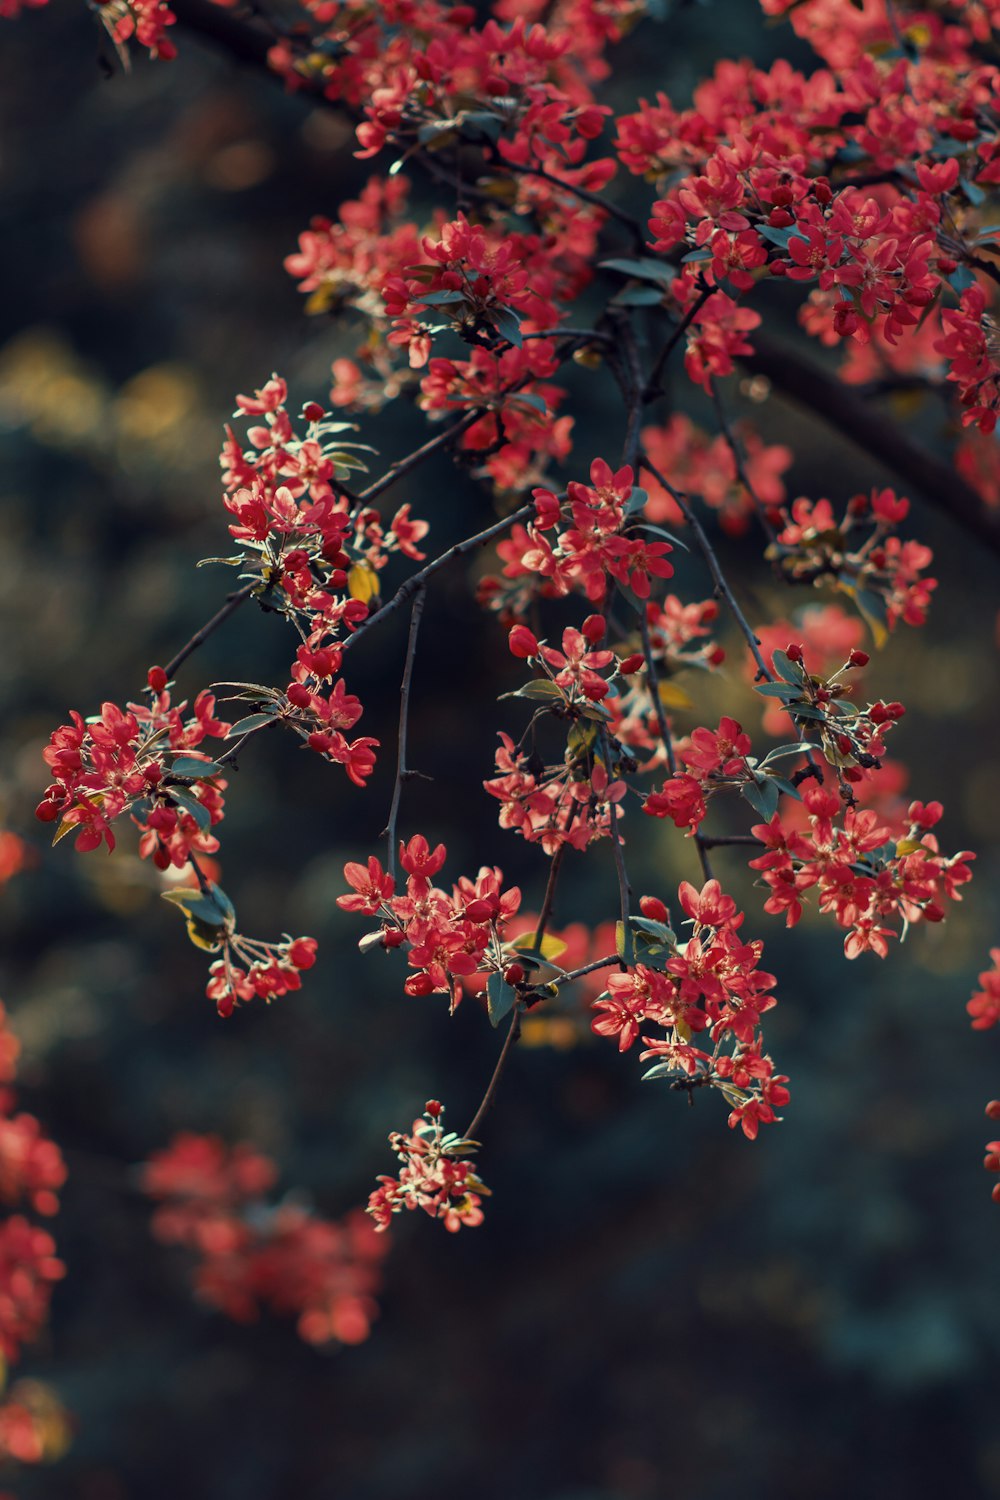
x=801 y=381
x=404 y=711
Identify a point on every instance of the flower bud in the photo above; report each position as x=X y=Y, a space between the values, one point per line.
x=593 y=629
x=858 y=659
x=631 y=664
x=157 y=679
x=299 y=695
x=522 y=642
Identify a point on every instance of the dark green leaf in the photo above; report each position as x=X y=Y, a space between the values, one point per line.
x=252 y=721
x=508 y=325
x=763 y=797
x=501 y=998
x=187 y=768
x=644 y=268
x=191 y=805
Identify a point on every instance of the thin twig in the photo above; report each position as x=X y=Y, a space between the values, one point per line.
x=230 y=607
x=418 y=455
x=623 y=881
x=654 y=386
x=586 y=196
x=718 y=577
x=512 y=1035
x=738 y=452
x=653 y=682
x=404 y=710
x=409 y=587
x=801 y=381
x=731 y=840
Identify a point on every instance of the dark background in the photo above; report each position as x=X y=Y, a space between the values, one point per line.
x=654 y=1305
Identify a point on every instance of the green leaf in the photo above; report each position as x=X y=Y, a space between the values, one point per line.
x=873 y=608
x=252 y=721
x=645 y=268
x=191 y=805
x=640 y=296
x=541 y=689
x=788 y=670
x=508 y=325
x=783 y=690
x=624 y=943
x=187 y=768
x=659 y=931
x=211 y=908
x=668 y=536
x=501 y=998
x=229 y=562
x=762 y=797
x=530 y=399
x=580 y=739
x=780 y=752
x=441 y=299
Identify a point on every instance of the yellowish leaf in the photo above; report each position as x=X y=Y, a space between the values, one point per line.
x=362 y=582
x=671 y=696
x=550 y=947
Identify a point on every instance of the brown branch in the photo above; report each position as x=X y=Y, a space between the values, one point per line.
x=404 y=465
x=654 y=387
x=402 y=773
x=512 y=1035
x=801 y=381
x=230 y=607
x=718 y=577
x=409 y=587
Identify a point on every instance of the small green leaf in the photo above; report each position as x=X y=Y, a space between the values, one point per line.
x=196 y=809
x=211 y=908
x=188 y=768
x=508 y=325
x=501 y=998
x=763 y=797
x=788 y=670
x=252 y=721
x=644 y=268
x=541 y=689
x=640 y=296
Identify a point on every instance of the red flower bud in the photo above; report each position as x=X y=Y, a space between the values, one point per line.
x=653 y=908
x=993 y=1109
x=631 y=664
x=299 y=695
x=157 y=679
x=313 y=412
x=793 y=652
x=716 y=656
x=593 y=629
x=522 y=643
x=513 y=974
x=858 y=659
x=433 y=1107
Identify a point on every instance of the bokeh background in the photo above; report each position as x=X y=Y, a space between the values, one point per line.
x=654 y=1306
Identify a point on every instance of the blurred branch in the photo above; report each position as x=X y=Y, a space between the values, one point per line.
x=801 y=381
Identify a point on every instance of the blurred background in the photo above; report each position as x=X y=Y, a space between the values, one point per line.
x=654 y=1305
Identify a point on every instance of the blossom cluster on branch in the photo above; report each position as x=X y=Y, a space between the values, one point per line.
x=856 y=196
